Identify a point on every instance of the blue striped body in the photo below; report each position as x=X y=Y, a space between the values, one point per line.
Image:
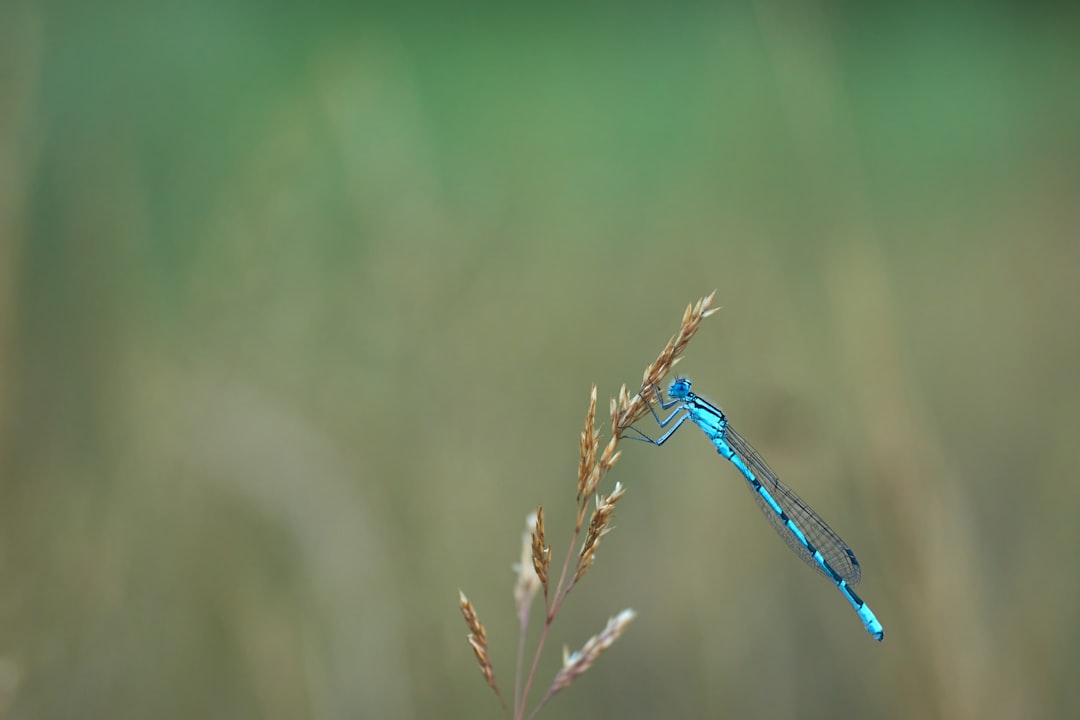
x=801 y=528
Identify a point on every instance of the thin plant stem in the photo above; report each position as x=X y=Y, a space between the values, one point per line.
x=523 y=631
x=549 y=615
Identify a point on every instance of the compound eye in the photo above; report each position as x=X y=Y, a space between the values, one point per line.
x=679 y=388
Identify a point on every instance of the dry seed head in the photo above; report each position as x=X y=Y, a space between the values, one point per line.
x=667 y=359
x=691 y=320
x=624 y=400
x=576 y=663
x=625 y=411
x=607 y=460
x=541 y=553
x=475 y=626
x=599 y=526
x=590 y=442
x=527 y=580
x=591 y=481
x=478 y=641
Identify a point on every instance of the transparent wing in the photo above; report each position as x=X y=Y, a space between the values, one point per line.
x=835 y=551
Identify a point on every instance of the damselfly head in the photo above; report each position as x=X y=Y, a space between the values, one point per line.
x=680 y=388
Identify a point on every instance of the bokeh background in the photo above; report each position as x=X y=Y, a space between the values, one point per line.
x=299 y=312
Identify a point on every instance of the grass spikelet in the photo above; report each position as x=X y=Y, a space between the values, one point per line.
x=599 y=526
x=574 y=664
x=541 y=553
x=528 y=581
x=588 y=475
x=631 y=409
x=478 y=640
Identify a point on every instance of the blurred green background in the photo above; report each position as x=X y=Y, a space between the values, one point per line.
x=299 y=310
